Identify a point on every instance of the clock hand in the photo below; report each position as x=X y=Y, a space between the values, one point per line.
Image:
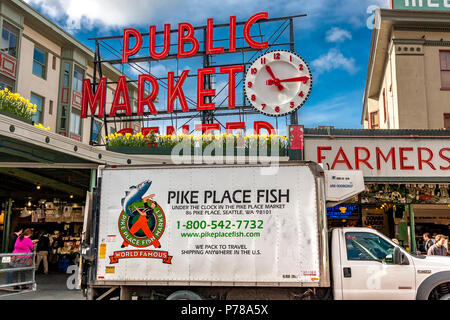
x=275 y=79
x=298 y=79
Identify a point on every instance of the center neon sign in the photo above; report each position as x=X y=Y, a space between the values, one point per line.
x=92 y=101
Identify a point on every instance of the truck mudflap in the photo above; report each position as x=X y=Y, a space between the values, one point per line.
x=433 y=282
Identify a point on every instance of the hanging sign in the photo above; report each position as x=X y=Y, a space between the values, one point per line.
x=277 y=83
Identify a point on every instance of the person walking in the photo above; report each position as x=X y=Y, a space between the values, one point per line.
x=429 y=241
x=42 y=249
x=23 y=245
x=438 y=249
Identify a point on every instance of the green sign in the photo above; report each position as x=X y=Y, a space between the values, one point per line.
x=440 y=5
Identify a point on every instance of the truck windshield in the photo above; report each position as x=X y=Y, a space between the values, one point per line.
x=368 y=246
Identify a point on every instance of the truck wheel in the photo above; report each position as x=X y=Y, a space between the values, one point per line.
x=445 y=297
x=184 y=295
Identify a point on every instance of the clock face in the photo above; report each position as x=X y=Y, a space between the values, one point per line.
x=278 y=82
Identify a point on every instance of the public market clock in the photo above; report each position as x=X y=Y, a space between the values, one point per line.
x=278 y=82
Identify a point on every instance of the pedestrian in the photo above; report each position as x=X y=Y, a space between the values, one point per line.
x=42 y=249
x=439 y=249
x=23 y=245
x=429 y=241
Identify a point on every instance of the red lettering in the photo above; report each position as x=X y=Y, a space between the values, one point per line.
x=210 y=39
x=258 y=125
x=149 y=100
x=248 y=38
x=177 y=91
x=230 y=126
x=365 y=160
x=441 y=154
x=232 y=70
x=146 y=130
x=126 y=52
x=207 y=128
x=386 y=158
x=403 y=158
x=202 y=92
x=183 y=38
x=232 y=34
x=121 y=91
x=344 y=160
x=319 y=153
x=430 y=157
x=152 y=44
x=92 y=100
x=125 y=131
x=170 y=130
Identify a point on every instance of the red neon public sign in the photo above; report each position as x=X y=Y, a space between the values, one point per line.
x=174 y=90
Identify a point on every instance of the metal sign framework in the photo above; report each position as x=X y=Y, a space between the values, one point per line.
x=284 y=27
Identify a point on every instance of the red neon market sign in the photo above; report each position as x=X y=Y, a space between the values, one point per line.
x=95 y=101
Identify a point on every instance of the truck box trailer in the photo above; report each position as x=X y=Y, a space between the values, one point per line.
x=226 y=232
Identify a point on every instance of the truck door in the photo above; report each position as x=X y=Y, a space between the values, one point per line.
x=368 y=271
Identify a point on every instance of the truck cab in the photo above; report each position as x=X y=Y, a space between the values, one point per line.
x=367 y=265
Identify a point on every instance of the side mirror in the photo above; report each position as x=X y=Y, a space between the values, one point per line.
x=399 y=257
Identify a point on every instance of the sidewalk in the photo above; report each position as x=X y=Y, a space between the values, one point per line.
x=49 y=287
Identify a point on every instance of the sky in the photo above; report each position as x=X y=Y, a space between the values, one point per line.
x=334 y=39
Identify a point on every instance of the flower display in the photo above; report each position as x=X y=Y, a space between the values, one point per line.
x=17 y=105
x=222 y=140
x=41 y=126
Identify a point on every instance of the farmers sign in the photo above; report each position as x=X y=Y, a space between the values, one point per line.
x=382 y=157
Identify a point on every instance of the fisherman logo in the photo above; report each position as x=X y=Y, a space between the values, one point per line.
x=156 y=224
x=141 y=224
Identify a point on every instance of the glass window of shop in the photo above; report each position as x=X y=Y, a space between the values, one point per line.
x=9 y=39
x=6 y=82
x=39 y=102
x=75 y=122
x=66 y=76
x=62 y=124
x=39 y=63
x=78 y=75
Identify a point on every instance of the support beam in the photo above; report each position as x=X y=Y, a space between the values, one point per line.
x=43 y=181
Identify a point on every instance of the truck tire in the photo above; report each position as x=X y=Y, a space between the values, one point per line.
x=184 y=295
x=434 y=281
x=446 y=297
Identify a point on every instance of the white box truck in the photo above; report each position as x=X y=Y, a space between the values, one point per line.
x=241 y=232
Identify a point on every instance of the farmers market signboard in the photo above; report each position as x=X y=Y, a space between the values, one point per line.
x=441 y=5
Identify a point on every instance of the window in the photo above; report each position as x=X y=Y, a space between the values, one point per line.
x=39 y=102
x=50 y=107
x=75 y=122
x=374 y=120
x=96 y=131
x=447 y=120
x=66 y=74
x=368 y=246
x=9 y=39
x=6 y=82
x=39 y=63
x=63 y=117
x=78 y=75
x=445 y=69
x=54 y=63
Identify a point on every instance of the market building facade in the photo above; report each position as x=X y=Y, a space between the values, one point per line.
x=47 y=65
x=408 y=76
x=406 y=173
